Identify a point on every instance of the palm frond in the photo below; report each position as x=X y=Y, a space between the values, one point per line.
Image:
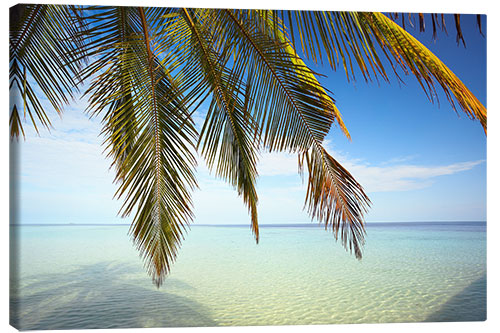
x=336 y=35
x=109 y=41
x=335 y=198
x=294 y=113
x=425 y=66
x=284 y=97
x=438 y=23
x=42 y=44
x=352 y=37
x=156 y=167
x=275 y=29
x=226 y=137
x=15 y=123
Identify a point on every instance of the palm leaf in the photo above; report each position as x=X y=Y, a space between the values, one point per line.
x=109 y=40
x=294 y=113
x=155 y=167
x=352 y=37
x=226 y=137
x=42 y=44
x=426 y=67
x=335 y=198
x=438 y=22
x=285 y=99
x=275 y=29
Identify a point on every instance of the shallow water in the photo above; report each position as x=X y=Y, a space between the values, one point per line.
x=71 y=276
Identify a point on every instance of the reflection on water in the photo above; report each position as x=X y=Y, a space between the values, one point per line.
x=68 y=277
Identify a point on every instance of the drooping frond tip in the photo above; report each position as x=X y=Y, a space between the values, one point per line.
x=148 y=131
x=351 y=38
x=438 y=23
x=426 y=67
x=335 y=198
x=299 y=122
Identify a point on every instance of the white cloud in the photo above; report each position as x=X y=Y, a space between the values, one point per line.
x=390 y=175
x=401 y=177
x=399 y=159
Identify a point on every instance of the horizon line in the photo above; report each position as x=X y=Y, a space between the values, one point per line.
x=247 y=225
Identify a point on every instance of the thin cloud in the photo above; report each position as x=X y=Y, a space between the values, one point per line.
x=387 y=176
x=399 y=159
x=403 y=177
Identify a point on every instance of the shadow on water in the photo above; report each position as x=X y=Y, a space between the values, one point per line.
x=468 y=305
x=103 y=295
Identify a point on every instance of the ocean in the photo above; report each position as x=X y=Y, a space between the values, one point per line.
x=91 y=276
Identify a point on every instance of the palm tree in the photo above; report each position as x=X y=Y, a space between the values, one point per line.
x=149 y=69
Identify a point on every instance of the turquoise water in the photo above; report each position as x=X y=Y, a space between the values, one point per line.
x=67 y=277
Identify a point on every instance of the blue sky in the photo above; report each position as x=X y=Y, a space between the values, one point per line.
x=417 y=161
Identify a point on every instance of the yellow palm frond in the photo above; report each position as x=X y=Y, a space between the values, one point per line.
x=423 y=64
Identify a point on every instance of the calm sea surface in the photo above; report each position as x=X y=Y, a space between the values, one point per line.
x=66 y=277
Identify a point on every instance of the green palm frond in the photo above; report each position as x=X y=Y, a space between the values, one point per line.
x=110 y=41
x=275 y=29
x=148 y=133
x=286 y=99
x=334 y=37
x=161 y=176
x=42 y=41
x=226 y=137
x=16 y=126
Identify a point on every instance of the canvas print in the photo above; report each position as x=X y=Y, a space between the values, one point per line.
x=187 y=167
